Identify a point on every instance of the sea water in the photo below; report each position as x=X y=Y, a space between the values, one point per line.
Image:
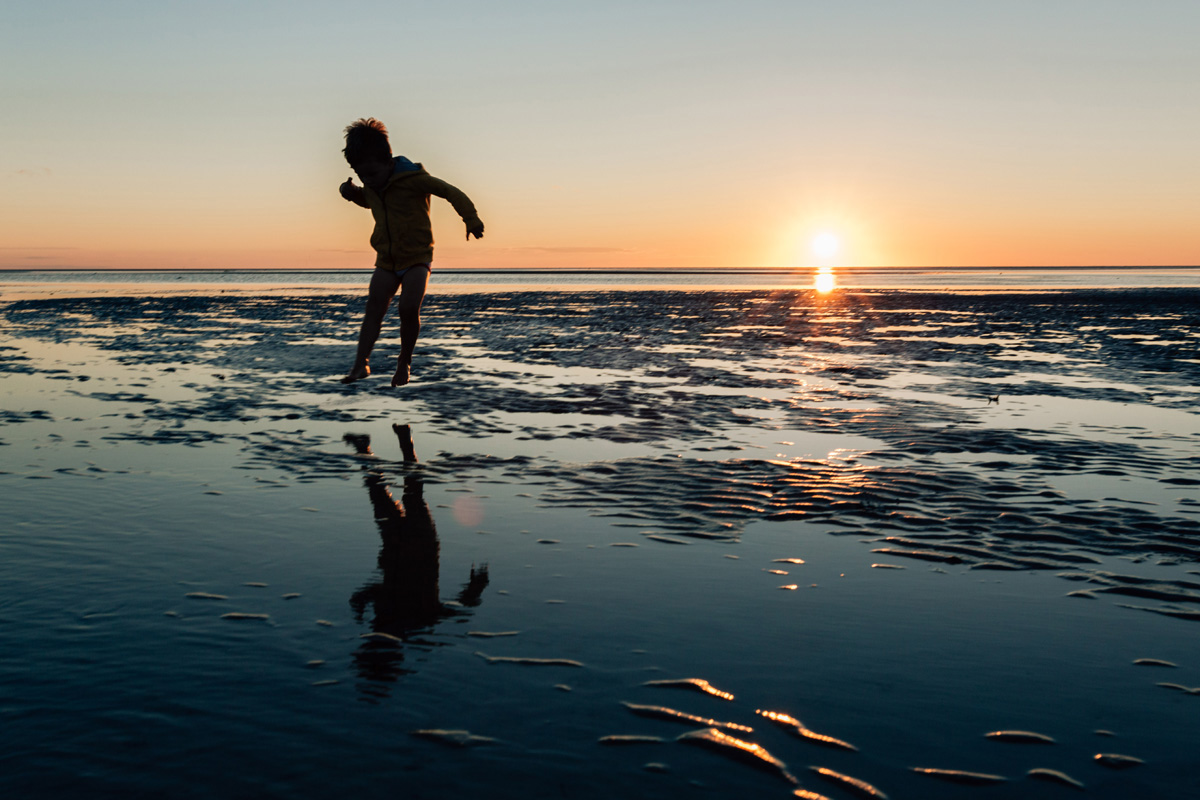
x=907 y=520
x=708 y=278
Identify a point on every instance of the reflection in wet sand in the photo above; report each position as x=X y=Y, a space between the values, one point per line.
x=657 y=433
x=824 y=281
x=783 y=363
x=405 y=599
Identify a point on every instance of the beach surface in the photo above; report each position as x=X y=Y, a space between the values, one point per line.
x=908 y=519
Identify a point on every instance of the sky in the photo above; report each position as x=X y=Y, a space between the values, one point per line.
x=648 y=134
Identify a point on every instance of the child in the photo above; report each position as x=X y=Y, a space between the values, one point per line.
x=397 y=192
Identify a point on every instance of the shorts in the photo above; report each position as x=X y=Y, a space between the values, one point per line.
x=401 y=272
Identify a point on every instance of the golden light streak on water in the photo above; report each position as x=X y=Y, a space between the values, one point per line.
x=824 y=281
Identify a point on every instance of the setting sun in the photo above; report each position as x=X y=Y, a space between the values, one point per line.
x=826 y=245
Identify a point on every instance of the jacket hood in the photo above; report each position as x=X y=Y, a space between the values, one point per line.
x=402 y=166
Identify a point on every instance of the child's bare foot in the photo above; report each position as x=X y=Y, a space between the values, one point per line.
x=356 y=374
x=402 y=373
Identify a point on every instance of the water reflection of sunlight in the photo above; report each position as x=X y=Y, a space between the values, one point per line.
x=824 y=281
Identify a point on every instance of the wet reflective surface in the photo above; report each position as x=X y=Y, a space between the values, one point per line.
x=225 y=575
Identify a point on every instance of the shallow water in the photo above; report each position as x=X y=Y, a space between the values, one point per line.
x=153 y=448
x=477 y=280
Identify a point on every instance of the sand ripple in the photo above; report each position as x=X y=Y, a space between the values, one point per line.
x=852 y=785
x=960 y=776
x=942 y=483
x=740 y=749
x=662 y=712
x=698 y=684
x=1054 y=776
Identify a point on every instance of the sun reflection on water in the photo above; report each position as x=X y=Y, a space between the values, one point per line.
x=824 y=281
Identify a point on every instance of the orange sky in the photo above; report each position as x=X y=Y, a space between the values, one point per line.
x=640 y=135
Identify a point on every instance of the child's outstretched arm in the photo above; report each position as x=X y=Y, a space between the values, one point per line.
x=462 y=204
x=353 y=193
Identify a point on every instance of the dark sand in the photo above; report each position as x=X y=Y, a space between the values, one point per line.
x=1030 y=460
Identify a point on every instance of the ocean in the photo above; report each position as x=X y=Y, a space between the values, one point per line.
x=844 y=277
x=652 y=540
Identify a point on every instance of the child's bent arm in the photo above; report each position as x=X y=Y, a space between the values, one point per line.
x=353 y=193
x=462 y=204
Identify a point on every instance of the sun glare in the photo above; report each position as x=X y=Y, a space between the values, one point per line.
x=824 y=282
x=825 y=245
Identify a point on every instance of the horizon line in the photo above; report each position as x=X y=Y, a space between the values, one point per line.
x=602 y=271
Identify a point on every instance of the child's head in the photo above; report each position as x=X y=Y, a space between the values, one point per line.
x=367 y=149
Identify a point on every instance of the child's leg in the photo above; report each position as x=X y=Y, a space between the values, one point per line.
x=379 y=297
x=404 y=437
x=412 y=293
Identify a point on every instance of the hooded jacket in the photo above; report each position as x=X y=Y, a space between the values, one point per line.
x=403 y=235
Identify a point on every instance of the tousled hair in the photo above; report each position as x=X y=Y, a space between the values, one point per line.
x=367 y=140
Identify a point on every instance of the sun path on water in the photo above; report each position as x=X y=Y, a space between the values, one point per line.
x=825 y=246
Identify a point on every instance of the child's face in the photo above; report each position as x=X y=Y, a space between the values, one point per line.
x=373 y=173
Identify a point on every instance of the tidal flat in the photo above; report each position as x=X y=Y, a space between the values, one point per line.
x=959 y=530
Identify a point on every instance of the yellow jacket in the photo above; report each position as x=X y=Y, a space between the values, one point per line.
x=403 y=235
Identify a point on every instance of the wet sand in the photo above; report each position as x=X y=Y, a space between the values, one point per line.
x=983 y=506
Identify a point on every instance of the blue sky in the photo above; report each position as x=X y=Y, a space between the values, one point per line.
x=650 y=133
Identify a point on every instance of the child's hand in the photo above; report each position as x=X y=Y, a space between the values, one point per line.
x=477 y=232
x=349 y=190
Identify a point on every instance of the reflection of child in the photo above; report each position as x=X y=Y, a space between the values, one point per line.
x=406 y=598
x=397 y=192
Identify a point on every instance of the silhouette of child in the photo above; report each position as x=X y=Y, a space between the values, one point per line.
x=397 y=192
x=405 y=596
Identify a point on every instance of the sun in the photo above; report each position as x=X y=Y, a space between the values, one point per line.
x=826 y=245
